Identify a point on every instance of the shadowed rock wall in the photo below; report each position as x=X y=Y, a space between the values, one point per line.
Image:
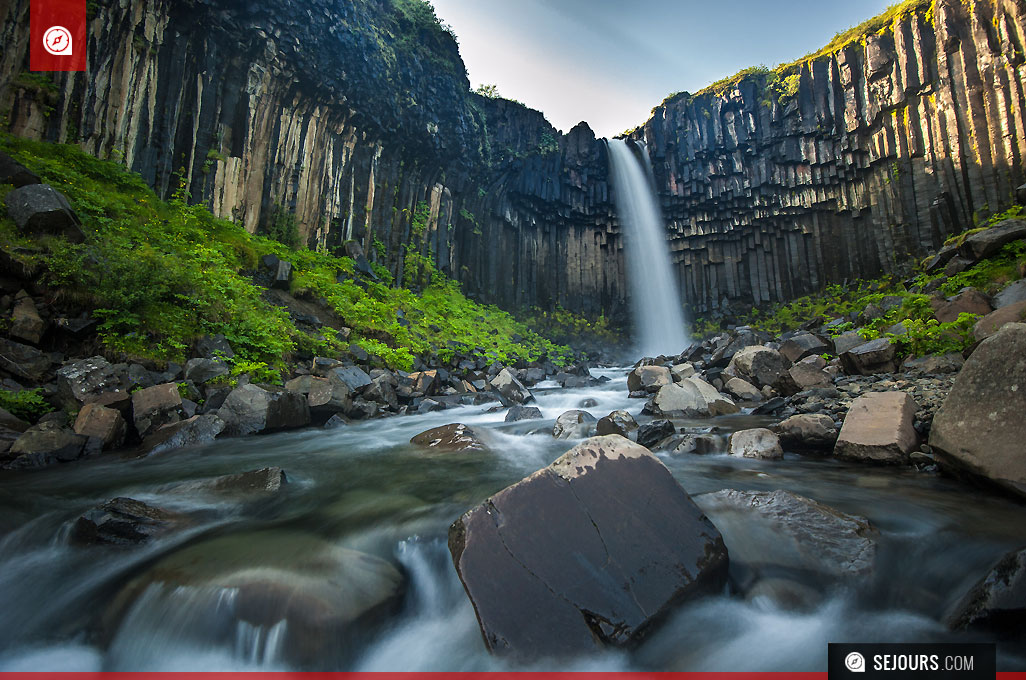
x=354 y=118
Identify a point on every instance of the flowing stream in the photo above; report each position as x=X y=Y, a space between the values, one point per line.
x=364 y=487
x=655 y=298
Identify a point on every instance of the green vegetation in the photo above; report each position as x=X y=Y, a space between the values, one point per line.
x=923 y=334
x=491 y=91
x=25 y=404
x=782 y=81
x=282 y=227
x=414 y=34
x=160 y=274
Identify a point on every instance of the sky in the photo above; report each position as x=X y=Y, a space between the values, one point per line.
x=608 y=62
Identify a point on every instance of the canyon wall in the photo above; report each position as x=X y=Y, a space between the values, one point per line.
x=356 y=119
x=886 y=147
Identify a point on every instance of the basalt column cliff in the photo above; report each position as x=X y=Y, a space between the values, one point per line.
x=356 y=120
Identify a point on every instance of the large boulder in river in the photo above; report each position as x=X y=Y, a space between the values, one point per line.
x=250 y=409
x=125 y=521
x=452 y=437
x=330 y=598
x=517 y=413
x=510 y=390
x=648 y=378
x=878 y=428
x=980 y=427
x=997 y=603
x=691 y=398
x=651 y=435
x=573 y=424
x=593 y=550
x=783 y=536
x=755 y=443
x=618 y=422
x=807 y=432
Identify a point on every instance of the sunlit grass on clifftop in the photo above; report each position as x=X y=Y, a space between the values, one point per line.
x=767 y=78
x=160 y=274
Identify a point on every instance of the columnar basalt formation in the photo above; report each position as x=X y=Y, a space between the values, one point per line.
x=887 y=146
x=356 y=118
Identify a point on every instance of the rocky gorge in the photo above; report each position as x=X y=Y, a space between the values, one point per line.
x=850 y=162
x=250 y=421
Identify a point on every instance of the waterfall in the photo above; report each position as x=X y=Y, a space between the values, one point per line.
x=658 y=312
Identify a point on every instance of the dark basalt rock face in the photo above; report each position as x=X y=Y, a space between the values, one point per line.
x=886 y=146
x=590 y=551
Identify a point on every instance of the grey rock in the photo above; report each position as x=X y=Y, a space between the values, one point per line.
x=691 y=397
x=573 y=425
x=650 y=435
x=997 y=603
x=878 y=428
x=156 y=406
x=1010 y=294
x=46 y=443
x=755 y=443
x=770 y=531
x=509 y=389
x=83 y=380
x=23 y=361
x=125 y=522
x=26 y=324
x=251 y=409
x=202 y=371
x=807 y=432
x=618 y=422
x=453 y=437
x=588 y=552
x=518 y=412
x=802 y=345
x=194 y=431
x=875 y=356
x=106 y=424
x=979 y=428
x=988 y=243
x=648 y=378
x=40 y=210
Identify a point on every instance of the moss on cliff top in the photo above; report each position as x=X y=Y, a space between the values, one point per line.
x=160 y=274
x=763 y=76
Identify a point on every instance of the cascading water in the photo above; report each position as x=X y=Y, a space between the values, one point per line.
x=658 y=313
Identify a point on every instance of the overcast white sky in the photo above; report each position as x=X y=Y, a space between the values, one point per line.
x=610 y=61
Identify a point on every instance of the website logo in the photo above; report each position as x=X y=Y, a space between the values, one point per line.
x=58 y=29
x=855 y=662
x=58 y=42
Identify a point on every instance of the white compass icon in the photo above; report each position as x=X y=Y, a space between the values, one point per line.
x=57 y=41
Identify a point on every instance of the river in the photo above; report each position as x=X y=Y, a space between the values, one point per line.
x=365 y=487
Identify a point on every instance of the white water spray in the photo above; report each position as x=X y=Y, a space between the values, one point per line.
x=655 y=299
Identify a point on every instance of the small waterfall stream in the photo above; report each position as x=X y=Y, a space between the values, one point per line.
x=655 y=298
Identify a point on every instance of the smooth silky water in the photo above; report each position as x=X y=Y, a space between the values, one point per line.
x=365 y=487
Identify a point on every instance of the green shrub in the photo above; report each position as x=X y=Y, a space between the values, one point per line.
x=28 y=405
x=160 y=274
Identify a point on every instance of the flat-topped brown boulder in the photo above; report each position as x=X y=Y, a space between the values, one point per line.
x=588 y=552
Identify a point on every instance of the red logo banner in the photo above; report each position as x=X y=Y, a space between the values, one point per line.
x=58 y=29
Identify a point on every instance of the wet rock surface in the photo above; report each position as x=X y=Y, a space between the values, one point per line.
x=454 y=437
x=563 y=536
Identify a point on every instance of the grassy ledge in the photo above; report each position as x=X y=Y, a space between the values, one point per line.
x=160 y=274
